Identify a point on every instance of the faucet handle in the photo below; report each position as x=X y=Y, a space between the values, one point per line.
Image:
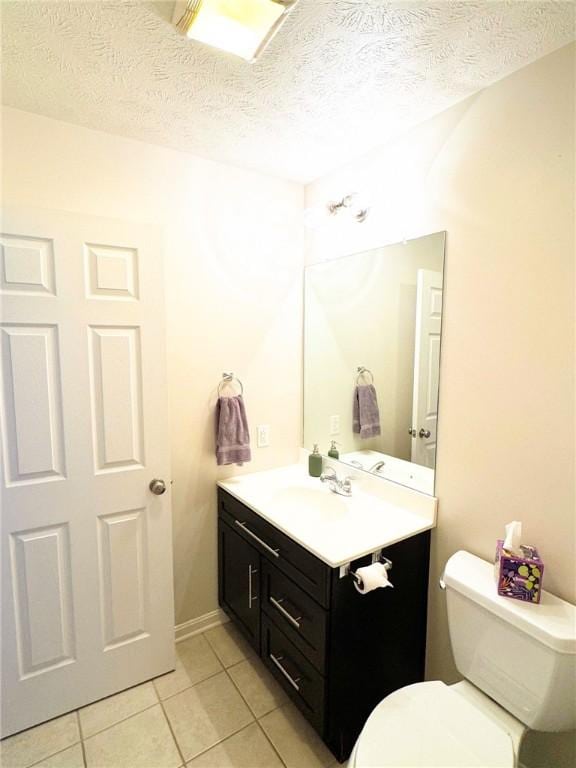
x=325 y=477
x=347 y=483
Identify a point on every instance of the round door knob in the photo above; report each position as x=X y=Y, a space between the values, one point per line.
x=424 y=432
x=412 y=432
x=158 y=487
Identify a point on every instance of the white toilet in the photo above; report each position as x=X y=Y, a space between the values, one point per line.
x=519 y=661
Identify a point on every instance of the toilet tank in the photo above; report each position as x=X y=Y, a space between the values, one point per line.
x=522 y=655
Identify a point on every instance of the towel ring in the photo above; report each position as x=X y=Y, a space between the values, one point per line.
x=362 y=371
x=229 y=378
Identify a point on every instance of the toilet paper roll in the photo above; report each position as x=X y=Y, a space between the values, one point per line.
x=372 y=576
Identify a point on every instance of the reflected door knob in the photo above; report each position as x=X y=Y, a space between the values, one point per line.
x=424 y=433
x=158 y=487
x=412 y=432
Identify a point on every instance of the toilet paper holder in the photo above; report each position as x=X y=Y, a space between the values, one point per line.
x=377 y=557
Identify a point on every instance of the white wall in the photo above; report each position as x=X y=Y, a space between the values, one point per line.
x=497 y=172
x=233 y=273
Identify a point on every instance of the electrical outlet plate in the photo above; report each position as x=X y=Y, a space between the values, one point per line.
x=263 y=435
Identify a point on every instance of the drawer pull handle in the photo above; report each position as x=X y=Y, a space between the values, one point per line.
x=277 y=660
x=276 y=603
x=240 y=524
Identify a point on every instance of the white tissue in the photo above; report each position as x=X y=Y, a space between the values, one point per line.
x=513 y=537
x=373 y=576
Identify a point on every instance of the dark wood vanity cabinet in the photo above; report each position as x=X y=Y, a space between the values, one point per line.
x=335 y=652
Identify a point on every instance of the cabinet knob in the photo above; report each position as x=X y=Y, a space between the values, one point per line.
x=424 y=432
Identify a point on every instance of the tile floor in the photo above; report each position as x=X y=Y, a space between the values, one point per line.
x=220 y=708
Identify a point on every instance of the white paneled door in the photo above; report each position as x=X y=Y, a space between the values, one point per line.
x=426 y=367
x=87 y=604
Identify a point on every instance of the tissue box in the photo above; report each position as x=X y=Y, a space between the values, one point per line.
x=519 y=577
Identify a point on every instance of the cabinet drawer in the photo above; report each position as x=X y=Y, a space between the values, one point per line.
x=305 y=569
x=296 y=675
x=301 y=619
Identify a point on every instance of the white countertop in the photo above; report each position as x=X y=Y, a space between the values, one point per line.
x=337 y=529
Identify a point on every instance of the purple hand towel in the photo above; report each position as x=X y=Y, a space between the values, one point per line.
x=365 y=413
x=232 y=436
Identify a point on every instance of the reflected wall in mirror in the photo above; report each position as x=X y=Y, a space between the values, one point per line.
x=372 y=329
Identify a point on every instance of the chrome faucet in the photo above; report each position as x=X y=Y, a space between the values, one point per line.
x=343 y=487
x=377 y=467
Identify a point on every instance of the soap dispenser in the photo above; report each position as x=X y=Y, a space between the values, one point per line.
x=333 y=452
x=315 y=462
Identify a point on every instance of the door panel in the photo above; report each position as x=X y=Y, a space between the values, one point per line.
x=27 y=266
x=42 y=595
x=111 y=272
x=86 y=547
x=123 y=573
x=31 y=404
x=116 y=379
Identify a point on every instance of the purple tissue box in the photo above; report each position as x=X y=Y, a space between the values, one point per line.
x=519 y=577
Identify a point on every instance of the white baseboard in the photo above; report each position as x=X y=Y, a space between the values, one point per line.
x=200 y=624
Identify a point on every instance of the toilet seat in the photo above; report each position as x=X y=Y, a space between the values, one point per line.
x=429 y=725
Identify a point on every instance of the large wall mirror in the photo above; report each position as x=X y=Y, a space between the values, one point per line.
x=372 y=334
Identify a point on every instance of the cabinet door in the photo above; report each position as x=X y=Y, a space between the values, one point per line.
x=239 y=582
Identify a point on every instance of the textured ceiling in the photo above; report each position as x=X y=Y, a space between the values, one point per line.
x=341 y=76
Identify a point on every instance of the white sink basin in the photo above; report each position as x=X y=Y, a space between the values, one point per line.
x=335 y=528
x=320 y=503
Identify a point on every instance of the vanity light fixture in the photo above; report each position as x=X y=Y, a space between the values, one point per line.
x=241 y=27
x=353 y=204
x=357 y=209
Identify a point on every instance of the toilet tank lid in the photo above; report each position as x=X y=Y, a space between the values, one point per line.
x=552 y=621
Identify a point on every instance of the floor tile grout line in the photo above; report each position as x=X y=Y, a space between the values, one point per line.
x=77 y=712
x=244 y=699
x=81 y=738
x=49 y=757
x=5 y=739
x=117 y=722
x=218 y=656
x=256 y=717
x=212 y=647
x=221 y=741
x=202 y=680
x=172 y=733
x=269 y=740
x=84 y=759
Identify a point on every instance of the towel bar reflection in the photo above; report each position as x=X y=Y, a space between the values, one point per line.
x=229 y=378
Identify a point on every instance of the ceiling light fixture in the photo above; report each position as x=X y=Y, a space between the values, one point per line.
x=241 y=27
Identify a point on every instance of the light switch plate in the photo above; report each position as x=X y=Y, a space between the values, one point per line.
x=335 y=425
x=263 y=435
